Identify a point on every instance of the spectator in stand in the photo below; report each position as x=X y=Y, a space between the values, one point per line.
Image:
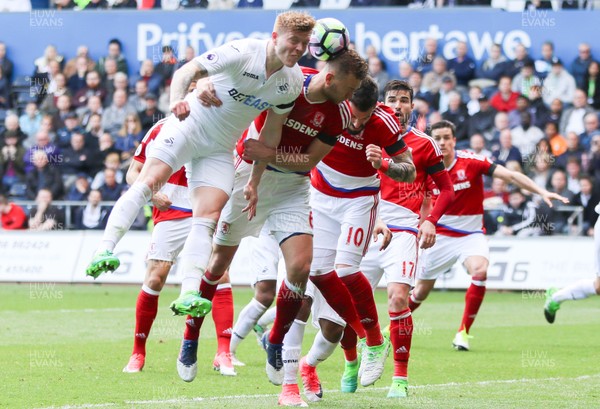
x=115 y=52
x=31 y=120
x=12 y=216
x=415 y=81
x=106 y=144
x=421 y=113
x=500 y=124
x=482 y=122
x=112 y=161
x=492 y=68
x=378 y=73
x=514 y=116
x=477 y=145
x=506 y=151
x=574 y=150
x=64 y=4
x=540 y=170
x=559 y=84
x=573 y=171
x=93 y=87
x=6 y=65
x=63 y=135
x=458 y=115
x=526 y=136
x=532 y=5
x=49 y=104
x=80 y=189
x=543 y=66
x=77 y=159
x=108 y=79
x=576 y=4
x=473 y=102
x=130 y=136
x=572 y=118
x=151 y=114
x=591 y=126
x=93 y=107
x=47 y=126
x=520 y=216
x=138 y=100
x=93 y=131
x=77 y=81
x=4 y=91
x=42 y=64
x=594 y=161
x=43 y=176
x=11 y=126
x=167 y=65
x=92 y=216
x=554 y=114
x=432 y=81
x=12 y=164
x=579 y=66
x=558 y=184
x=71 y=65
x=591 y=84
x=513 y=67
x=44 y=216
x=146 y=73
x=525 y=79
x=505 y=100
x=114 y=116
x=404 y=70
x=442 y=98
x=120 y=82
x=558 y=144
x=588 y=198
x=111 y=190
x=42 y=143
x=425 y=60
x=93 y=4
x=463 y=66
x=539 y=111
x=124 y=4
x=189 y=55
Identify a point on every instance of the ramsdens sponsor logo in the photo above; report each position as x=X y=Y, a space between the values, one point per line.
x=350 y=143
x=300 y=127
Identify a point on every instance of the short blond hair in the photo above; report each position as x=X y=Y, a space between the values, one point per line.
x=294 y=21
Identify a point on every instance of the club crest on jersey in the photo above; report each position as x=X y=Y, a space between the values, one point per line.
x=224 y=228
x=461 y=175
x=318 y=119
x=282 y=89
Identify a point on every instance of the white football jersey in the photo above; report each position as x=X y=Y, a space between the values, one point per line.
x=237 y=71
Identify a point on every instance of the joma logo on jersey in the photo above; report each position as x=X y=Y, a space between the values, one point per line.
x=249 y=74
x=300 y=127
x=249 y=100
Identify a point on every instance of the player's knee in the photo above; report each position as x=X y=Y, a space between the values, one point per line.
x=331 y=331
x=157 y=274
x=397 y=301
x=479 y=273
x=299 y=267
x=266 y=298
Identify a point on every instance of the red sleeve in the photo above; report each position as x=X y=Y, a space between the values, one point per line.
x=15 y=220
x=445 y=198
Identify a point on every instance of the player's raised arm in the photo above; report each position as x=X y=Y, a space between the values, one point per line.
x=182 y=78
x=401 y=168
x=524 y=182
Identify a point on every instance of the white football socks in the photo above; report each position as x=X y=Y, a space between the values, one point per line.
x=576 y=291
x=292 y=349
x=320 y=350
x=196 y=253
x=268 y=317
x=124 y=213
x=245 y=322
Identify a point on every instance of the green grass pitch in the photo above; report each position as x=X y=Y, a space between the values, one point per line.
x=65 y=346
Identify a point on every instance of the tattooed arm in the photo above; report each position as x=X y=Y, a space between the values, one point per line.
x=401 y=168
x=182 y=78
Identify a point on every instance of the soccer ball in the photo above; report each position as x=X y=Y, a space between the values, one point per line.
x=329 y=39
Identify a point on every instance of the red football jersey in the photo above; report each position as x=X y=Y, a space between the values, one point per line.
x=175 y=188
x=465 y=214
x=400 y=204
x=307 y=120
x=345 y=171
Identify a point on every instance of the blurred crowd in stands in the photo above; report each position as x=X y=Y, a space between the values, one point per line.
x=68 y=131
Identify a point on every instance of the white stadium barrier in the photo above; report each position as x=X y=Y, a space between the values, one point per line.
x=515 y=263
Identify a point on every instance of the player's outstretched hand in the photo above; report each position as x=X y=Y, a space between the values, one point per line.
x=426 y=234
x=549 y=196
x=161 y=201
x=207 y=94
x=251 y=195
x=374 y=155
x=181 y=109
x=381 y=228
x=255 y=150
